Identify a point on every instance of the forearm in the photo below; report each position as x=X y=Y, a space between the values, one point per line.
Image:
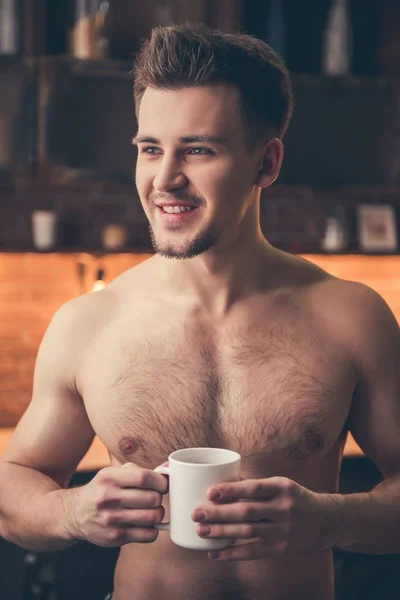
x=368 y=523
x=35 y=512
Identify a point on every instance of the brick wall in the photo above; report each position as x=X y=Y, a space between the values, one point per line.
x=33 y=286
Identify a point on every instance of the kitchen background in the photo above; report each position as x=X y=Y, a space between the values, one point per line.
x=71 y=220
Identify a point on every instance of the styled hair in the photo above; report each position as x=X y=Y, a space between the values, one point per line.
x=180 y=56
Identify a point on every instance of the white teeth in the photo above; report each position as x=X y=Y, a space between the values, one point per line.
x=176 y=209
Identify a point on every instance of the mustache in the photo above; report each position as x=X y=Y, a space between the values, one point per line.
x=155 y=197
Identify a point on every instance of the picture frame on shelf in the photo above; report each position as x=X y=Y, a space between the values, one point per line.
x=377 y=228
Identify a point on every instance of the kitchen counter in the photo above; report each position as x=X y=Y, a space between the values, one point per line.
x=97 y=456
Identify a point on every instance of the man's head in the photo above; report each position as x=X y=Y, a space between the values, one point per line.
x=211 y=109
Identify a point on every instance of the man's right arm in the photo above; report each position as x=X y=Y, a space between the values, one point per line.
x=119 y=505
x=48 y=443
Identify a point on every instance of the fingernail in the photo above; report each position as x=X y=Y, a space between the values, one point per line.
x=204 y=530
x=214 y=554
x=199 y=515
x=215 y=496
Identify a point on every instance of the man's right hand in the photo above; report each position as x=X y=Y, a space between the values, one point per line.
x=119 y=505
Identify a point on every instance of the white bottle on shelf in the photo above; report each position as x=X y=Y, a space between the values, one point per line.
x=338 y=40
x=335 y=237
x=8 y=27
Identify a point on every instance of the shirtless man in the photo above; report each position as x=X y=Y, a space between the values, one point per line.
x=234 y=345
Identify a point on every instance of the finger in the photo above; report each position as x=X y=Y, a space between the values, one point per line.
x=114 y=497
x=127 y=498
x=166 y=464
x=136 y=518
x=248 y=488
x=143 y=535
x=146 y=478
x=267 y=531
x=238 y=512
x=133 y=476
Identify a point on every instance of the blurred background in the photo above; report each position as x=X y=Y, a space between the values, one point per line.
x=71 y=220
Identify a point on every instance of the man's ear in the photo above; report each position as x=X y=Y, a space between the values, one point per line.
x=271 y=163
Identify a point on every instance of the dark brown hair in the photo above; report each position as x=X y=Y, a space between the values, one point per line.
x=176 y=57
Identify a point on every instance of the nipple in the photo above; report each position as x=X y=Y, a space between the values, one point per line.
x=128 y=445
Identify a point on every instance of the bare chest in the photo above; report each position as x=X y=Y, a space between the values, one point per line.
x=262 y=391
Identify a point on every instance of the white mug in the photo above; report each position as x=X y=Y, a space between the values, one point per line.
x=192 y=471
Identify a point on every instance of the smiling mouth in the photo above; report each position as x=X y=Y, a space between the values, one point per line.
x=176 y=213
x=176 y=210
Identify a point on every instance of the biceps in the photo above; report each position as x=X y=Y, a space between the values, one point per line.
x=375 y=423
x=52 y=436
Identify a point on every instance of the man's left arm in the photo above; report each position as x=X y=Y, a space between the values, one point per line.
x=278 y=517
x=370 y=522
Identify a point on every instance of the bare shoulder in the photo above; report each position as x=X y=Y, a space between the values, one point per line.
x=82 y=315
x=351 y=312
x=79 y=321
x=356 y=303
x=334 y=293
x=72 y=327
x=369 y=324
x=88 y=311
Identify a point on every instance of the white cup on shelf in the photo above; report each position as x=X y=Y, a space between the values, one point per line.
x=43 y=229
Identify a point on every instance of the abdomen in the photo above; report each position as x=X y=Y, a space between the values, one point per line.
x=163 y=570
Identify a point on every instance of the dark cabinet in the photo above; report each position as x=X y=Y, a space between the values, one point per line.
x=18 y=116
x=344 y=132
x=86 y=120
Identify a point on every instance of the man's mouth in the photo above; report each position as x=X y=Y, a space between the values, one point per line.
x=175 y=213
x=177 y=209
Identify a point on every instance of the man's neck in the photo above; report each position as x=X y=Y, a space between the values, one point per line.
x=219 y=278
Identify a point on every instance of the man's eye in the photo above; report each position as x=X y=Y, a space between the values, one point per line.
x=148 y=150
x=200 y=151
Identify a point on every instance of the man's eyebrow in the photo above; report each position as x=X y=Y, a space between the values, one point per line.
x=193 y=139
x=187 y=139
x=139 y=139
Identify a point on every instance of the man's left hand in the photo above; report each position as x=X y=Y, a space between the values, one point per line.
x=279 y=516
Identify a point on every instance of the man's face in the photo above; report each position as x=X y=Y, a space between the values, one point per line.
x=192 y=155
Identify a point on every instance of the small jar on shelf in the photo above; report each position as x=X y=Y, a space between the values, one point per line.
x=88 y=37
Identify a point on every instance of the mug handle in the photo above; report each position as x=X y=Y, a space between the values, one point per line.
x=162 y=526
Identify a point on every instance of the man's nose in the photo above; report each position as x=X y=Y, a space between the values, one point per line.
x=169 y=176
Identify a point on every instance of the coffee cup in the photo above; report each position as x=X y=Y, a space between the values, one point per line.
x=192 y=471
